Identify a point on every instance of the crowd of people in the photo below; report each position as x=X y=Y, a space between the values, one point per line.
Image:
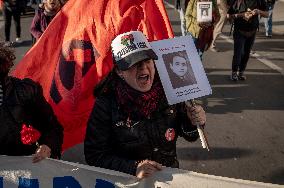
x=132 y=128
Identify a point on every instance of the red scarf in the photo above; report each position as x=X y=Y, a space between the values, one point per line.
x=144 y=102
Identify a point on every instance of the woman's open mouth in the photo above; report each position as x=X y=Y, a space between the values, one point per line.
x=144 y=78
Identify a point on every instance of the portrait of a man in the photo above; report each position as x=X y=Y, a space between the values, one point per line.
x=179 y=69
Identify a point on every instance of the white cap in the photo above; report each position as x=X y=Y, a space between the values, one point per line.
x=130 y=48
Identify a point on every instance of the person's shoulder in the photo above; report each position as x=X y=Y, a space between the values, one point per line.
x=106 y=86
x=14 y=79
x=262 y=4
x=26 y=89
x=26 y=84
x=262 y=1
x=29 y=82
x=106 y=96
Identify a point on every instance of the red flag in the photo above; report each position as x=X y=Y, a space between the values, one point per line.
x=74 y=54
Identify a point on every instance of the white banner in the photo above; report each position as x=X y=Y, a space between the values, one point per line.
x=20 y=172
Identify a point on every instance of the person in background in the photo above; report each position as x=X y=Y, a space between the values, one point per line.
x=202 y=33
x=22 y=107
x=268 y=21
x=12 y=8
x=132 y=129
x=223 y=9
x=43 y=17
x=181 y=6
x=245 y=15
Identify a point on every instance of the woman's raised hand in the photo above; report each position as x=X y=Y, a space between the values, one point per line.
x=196 y=114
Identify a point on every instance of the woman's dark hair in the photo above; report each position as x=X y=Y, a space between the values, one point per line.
x=106 y=84
x=7 y=58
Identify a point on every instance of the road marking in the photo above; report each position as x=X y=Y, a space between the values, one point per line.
x=258 y=57
x=228 y=72
x=268 y=63
x=229 y=85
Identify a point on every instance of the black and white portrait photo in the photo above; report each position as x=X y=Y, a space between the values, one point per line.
x=179 y=69
x=204 y=12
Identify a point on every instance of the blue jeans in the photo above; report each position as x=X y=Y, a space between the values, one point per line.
x=242 y=48
x=268 y=21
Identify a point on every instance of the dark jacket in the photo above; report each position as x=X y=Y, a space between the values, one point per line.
x=241 y=24
x=114 y=141
x=24 y=104
x=40 y=23
x=270 y=2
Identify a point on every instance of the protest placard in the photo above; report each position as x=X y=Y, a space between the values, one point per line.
x=180 y=69
x=204 y=11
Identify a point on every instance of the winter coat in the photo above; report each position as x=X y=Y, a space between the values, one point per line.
x=24 y=104
x=241 y=24
x=270 y=2
x=114 y=141
x=40 y=23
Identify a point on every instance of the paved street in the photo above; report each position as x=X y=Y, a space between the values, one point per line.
x=245 y=119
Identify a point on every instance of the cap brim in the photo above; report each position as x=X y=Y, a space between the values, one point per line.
x=134 y=58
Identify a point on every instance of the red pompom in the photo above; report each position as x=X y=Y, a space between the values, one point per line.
x=29 y=135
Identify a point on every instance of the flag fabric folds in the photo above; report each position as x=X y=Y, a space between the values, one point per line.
x=74 y=54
